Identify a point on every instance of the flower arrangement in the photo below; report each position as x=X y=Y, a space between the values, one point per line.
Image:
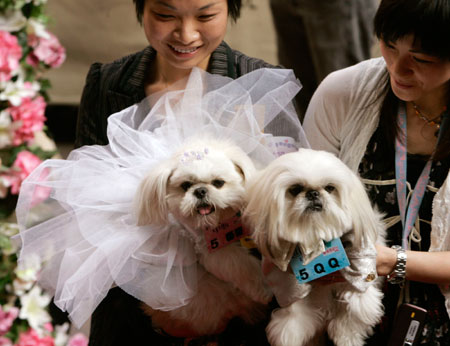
x=24 y=315
x=27 y=50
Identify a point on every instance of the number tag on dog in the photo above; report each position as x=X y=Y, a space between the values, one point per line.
x=332 y=259
x=226 y=233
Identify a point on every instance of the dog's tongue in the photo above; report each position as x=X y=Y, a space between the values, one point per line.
x=205 y=210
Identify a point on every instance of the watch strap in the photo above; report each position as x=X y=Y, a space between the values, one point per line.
x=397 y=276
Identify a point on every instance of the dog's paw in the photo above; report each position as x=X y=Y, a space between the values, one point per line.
x=263 y=295
x=257 y=291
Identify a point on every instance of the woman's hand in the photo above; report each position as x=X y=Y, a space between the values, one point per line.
x=386 y=259
x=423 y=266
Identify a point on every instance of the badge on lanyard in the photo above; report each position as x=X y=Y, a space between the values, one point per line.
x=408 y=212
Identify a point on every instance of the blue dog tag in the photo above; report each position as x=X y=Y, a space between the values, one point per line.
x=332 y=259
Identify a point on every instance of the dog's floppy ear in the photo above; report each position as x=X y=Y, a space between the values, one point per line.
x=265 y=214
x=367 y=224
x=150 y=200
x=243 y=163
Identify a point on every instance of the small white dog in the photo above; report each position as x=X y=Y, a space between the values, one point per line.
x=303 y=199
x=202 y=186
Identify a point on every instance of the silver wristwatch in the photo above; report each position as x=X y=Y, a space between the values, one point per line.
x=398 y=274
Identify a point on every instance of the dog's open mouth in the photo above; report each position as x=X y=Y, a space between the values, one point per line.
x=205 y=209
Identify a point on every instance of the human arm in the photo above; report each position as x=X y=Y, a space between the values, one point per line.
x=88 y=119
x=344 y=111
x=323 y=120
x=430 y=267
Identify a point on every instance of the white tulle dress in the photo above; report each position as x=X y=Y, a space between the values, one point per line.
x=77 y=214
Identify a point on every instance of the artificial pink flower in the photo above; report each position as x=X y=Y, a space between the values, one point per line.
x=7 y=318
x=10 y=54
x=48 y=327
x=24 y=164
x=5 y=341
x=32 y=338
x=78 y=340
x=30 y=114
x=48 y=50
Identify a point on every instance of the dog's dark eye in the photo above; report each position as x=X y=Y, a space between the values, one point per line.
x=329 y=188
x=186 y=185
x=294 y=190
x=218 y=183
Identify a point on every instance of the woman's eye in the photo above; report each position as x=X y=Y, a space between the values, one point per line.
x=186 y=185
x=218 y=183
x=206 y=17
x=329 y=188
x=422 y=61
x=389 y=45
x=163 y=16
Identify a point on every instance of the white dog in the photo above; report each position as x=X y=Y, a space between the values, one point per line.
x=202 y=186
x=303 y=199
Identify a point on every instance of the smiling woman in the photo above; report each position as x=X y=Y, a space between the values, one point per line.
x=182 y=34
x=388 y=119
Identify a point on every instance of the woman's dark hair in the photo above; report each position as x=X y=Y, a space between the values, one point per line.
x=428 y=21
x=234 y=9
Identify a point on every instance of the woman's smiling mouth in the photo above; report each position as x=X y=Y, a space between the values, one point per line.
x=183 y=50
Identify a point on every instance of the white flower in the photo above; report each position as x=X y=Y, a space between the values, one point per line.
x=5 y=119
x=14 y=92
x=33 y=306
x=12 y=20
x=27 y=269
x=6 y=136
x=37 y=28
x=20 y=287
x=61 y=334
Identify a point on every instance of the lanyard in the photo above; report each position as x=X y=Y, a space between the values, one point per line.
x=408 y=213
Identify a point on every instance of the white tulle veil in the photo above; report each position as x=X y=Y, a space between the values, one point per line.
x=77 y=214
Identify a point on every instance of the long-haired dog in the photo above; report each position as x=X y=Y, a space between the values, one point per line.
x=202 y=185
x=301 y=200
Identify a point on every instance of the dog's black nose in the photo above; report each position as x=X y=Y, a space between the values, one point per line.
x=200 y=192
x=312 y=195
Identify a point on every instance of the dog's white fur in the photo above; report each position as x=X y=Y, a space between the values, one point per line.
x=302 y=199
x=201 y=185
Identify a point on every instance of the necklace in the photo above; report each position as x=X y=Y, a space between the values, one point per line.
x=433 y=121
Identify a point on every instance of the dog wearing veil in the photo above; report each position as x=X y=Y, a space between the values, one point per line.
x=202 y=188
x=133 y=213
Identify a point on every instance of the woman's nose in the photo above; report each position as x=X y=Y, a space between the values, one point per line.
x=187 y=32
x=402 y=65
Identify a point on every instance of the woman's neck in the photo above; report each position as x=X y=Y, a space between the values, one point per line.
x=432 y=104
x=163 y=75
x=421 y=134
